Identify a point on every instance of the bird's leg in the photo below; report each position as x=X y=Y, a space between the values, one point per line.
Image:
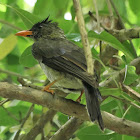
x=47 y=88
x=79 y=98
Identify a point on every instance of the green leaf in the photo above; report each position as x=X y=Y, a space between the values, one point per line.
x=27 y=58
x=72 y=12
x=7 y=45
x=126 y=137
x=6 y=120
x=45 y=8
x=28 y=18
x=104 y=36
x=129 y=47
x=62 y=117
x=120 y=4
x=5 y=31
x=60 y=6
x=130 y=114
x=73 y=96
x=74 y=36
x=93 y=132
x=124 y=59
x=54 y=8
x=130 y=75
x=12 y=59
x=109 y=104
x=110 y=91
x=95 y=54
x=135 y=6
x=65 y=25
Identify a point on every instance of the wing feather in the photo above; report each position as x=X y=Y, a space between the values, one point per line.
x=63 y=56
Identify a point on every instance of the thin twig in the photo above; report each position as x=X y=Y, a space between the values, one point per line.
x=121 y=35
x=119 y=77
x=18 y=75
x=9 y=24
x=95 y=19
x=23 y=122
x=125 y=34
x=42 y=135
x=118 y=15
x=111 y=13
x=26 y=84
x=97 y=15
x=126 y=111
x=4 y=101
x=122 y=24
x=126 y=101
x=132 y=93
x=10 y=114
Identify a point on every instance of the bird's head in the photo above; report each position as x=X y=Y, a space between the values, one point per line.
x=45 y=29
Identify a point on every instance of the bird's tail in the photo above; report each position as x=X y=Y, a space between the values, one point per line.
x=92 y=94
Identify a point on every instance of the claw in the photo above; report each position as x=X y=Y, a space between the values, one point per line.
x=47 y=88
x=79 y=98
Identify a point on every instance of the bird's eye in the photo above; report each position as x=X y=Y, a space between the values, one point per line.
x=40 y=26
x=35 y=33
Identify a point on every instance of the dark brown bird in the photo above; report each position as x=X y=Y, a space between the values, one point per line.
x=61 y=59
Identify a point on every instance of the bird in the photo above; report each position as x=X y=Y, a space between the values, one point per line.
x=64 y=64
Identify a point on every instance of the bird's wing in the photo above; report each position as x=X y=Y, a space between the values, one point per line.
x=63 y=56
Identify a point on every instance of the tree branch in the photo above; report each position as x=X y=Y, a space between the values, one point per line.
x=67 y=106
x=123 y=34
x=126 y=34
x=23 y=122
x=45 y=118
x=67 y=130
x=126 y=101
x=84 y=36
x=132 y=93
x=119 y=76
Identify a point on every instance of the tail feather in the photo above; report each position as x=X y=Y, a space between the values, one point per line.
x=92 y=94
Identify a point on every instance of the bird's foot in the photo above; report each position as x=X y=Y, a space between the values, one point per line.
x=79 y=98
x=47 y=88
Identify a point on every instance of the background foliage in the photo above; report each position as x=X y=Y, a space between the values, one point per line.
x=15 y=56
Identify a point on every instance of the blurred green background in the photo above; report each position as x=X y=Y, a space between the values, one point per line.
x=15 y=56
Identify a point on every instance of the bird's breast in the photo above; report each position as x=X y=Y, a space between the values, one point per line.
x=65 y=80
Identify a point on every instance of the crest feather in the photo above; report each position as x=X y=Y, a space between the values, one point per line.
x=46 y=20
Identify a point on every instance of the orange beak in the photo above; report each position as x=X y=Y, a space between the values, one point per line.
x=24 y=33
